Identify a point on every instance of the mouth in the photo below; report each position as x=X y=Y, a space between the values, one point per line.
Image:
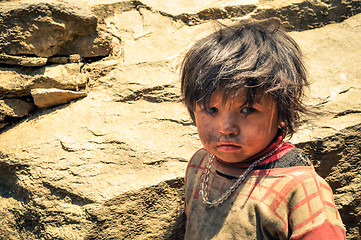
x=228 y=147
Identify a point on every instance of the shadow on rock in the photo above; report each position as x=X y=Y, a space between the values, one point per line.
x=337 y=159
x=155 y=212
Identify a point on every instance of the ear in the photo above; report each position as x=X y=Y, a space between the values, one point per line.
x=281 y=124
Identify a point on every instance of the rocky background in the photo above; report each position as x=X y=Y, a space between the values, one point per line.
x=94 y=142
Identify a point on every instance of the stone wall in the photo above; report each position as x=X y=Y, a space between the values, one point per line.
x=111 y=164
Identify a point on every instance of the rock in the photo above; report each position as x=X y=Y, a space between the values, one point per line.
x=75 y=58
x=337 y=159
x=304 y=15
x=179 y=7
x=146 y=27
x=98 y=69
x=123 y=216
x=59 y=60
x=17 y=82
x=44 y=98
x=22 y=61
x=15 y=107
x=295 y=15
x=111 y=166
x=48 y=28
x=144 y=81
x=98 y=45
x=335 y=76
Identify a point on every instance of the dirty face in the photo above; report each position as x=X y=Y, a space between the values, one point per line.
x=234 y=132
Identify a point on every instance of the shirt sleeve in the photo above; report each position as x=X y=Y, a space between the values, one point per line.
x=313 y=214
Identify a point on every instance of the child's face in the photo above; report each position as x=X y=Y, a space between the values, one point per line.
x=234 y=132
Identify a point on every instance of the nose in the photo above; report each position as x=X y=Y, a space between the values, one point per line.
x=229 y=126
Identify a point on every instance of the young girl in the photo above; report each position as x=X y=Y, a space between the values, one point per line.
x=243 y=87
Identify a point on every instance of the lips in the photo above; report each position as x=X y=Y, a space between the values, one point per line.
x=228 y=147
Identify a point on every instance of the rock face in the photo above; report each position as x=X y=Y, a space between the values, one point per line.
x=47 y=38
x=111 y=165
x=48 y=28
x=17 y=82
x=337 y=159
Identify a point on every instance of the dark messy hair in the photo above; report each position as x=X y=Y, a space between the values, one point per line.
x=257 y=56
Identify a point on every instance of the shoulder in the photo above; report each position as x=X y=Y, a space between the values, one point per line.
x=296 y=157
x=298 y=184
x=309 y=189
x=195 y=168
x=197 y=161
x=293 y=158
x=311 y=202
x=287 y=156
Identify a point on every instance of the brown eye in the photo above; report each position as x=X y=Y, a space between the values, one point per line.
x=211 y=110
x=248 y=110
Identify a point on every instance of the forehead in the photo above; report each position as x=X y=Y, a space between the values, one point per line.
x=219 y=97
x=224 y=97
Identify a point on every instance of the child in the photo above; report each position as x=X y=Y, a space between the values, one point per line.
x=243 y=87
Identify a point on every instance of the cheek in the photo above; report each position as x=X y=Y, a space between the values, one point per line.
x=263 y=130
x=205 y=136
x=258 y=129
x=206 y=131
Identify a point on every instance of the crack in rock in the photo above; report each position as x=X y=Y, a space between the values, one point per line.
x=61 y=192
x=215 y=14
x=155 y=94
x=346 y=112
x=122 y=145
x=66 y=148
x=152 y=163
x=105 y=10
x=333 y=95
x=181 y=122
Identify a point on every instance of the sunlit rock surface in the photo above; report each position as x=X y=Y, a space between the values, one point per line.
x=111 y=165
